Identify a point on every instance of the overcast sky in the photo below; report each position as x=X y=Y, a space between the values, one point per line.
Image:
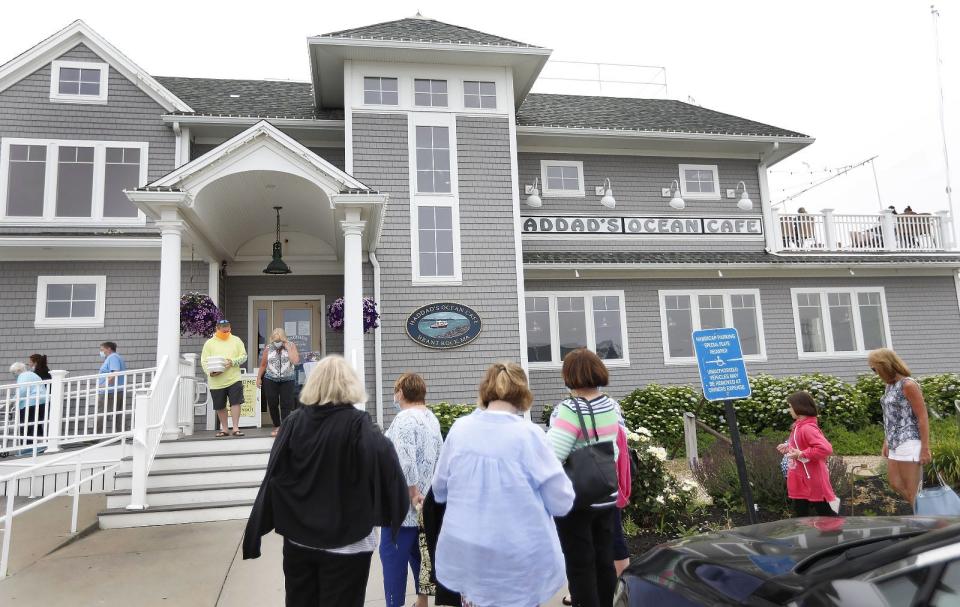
x=858 y=75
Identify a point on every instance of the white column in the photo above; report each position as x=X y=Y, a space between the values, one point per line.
x=353 y=291
x=945 y=228
x=889 y=230
x=168 y=322
x=213 y=281
x=829 y=230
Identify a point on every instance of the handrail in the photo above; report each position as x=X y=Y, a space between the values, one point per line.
x=65 y=456
x=144 y=371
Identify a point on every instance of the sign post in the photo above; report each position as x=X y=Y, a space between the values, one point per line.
x=723 y=375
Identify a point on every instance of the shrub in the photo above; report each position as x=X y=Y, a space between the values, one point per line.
x=657 y=499
x=940 y=392
x=946 y=459
x=868 y=440
x=447 y=413
x=870 y=388
x=660 y=408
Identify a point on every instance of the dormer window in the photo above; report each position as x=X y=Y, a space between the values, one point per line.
x=380 y=91
x=78 y=82
x=478 y=94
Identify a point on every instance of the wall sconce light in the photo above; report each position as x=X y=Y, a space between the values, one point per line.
x=533 y=194
x=744 y=204
x=608 y=200
x=676 y=202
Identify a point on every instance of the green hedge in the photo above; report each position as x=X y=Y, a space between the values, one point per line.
x=447 y=413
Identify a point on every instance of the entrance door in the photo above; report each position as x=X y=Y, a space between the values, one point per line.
x=301 y=319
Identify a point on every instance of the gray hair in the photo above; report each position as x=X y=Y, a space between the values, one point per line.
x=333 y=381
x=17 y=368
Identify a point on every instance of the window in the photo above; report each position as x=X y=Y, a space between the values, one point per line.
x=70 y=301
x=78 y=82
x=683 y=312
x=562 y=178
x=380 y=91
x=430 y=93
x=558 y=323
x=435 y=226
x=480 y=94
x=70 y=181
x=433 y=159
x=840 y=322
x=699 y=181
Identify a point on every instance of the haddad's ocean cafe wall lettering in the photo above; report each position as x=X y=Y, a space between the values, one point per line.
x=444 y=325
x=643 y=225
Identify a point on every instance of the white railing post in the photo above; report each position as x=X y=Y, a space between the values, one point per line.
x=889 y=230
x=188 y=392
x=7 y=533
x=138 y=469
x=55 y=410
x=944 y=230
x=690 y=438
x=829 y=230
x=778 y=240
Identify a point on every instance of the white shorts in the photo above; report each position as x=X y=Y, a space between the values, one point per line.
x=908 y=451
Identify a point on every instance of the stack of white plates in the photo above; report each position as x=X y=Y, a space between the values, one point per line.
x=216 y=364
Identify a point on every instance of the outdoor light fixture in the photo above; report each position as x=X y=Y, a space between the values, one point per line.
x=277 y=266
x=744 y=204
x=533 y=200
x=608 y=200
x=676 y=202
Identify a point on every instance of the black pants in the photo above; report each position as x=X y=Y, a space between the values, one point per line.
x=279 y=397
x=808 y=508
x=586 y=537
x=314 y=578
x=32 y=418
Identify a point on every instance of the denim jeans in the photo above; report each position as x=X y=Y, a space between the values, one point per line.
x=395 y=557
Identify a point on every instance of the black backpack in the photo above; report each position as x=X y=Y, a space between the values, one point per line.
x=592 y=469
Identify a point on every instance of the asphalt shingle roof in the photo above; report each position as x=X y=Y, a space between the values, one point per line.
x=421 y=29
x=713 y=257
x=256 y=98
x=628 y=114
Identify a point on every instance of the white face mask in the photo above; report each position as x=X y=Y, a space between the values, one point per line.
x=103 y=354
x=277 y=344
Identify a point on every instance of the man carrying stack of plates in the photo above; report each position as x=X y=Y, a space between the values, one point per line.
x=221 y=359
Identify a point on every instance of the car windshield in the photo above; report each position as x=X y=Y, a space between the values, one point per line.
x=845 y=553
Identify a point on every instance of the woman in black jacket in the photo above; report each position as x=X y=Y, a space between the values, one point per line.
x=332 y=480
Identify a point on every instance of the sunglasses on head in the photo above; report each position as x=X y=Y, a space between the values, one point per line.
x=874 y=369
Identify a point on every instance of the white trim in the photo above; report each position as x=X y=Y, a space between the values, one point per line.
x=252 y=325
x=40 y=316
x=556 y=362
x=77 y=241
x=694 y=294
x=66 y=39
x=50 y=182
x=363 y=91
x=611 y=132
x=348 y=118
x=700 y=195
x=413 y=92
x=57 y=96
x=547 y=192
x=247 y=121
x=449 y=199
x=517 y=228
x=830 y=353
x=427 y=45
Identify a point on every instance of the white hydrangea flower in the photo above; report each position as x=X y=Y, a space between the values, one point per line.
x=660 y=500
x=659 y=452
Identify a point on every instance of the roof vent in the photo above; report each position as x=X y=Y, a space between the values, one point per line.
x=419 y=15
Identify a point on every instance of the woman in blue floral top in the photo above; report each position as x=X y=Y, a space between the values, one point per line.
x=415 y=434
x=906 y=443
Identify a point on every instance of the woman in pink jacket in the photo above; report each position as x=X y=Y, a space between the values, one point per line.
x=806 y=452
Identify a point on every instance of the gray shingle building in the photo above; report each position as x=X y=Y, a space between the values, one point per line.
x=416 y=168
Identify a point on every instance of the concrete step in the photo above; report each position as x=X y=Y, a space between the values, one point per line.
x=185 y=477
x=209 y=444
x=119 y=518
x=197 y=495
x=205 y=460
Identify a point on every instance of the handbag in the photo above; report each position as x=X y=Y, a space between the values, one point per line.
x=938 y=501
x=592 y=469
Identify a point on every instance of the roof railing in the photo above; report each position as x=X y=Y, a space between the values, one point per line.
x=606 y=79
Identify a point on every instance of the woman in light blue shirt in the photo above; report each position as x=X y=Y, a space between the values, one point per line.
x=31 y=406
x=503 y=485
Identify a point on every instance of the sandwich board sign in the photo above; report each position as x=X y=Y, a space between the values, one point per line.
x=720 y=359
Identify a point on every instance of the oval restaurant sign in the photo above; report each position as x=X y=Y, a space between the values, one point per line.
x=443 y=325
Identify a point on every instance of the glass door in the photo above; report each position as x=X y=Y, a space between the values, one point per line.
x=301 y=320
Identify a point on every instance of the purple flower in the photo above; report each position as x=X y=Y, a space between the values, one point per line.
x=335 y=315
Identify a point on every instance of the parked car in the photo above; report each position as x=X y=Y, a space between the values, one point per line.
x=806 y=562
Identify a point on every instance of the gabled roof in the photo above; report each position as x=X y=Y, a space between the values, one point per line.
x=422 y=29
x=76 y=33
x=642 y=115
x=256 y=98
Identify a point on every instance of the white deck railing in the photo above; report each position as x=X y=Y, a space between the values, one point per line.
x=885 y=231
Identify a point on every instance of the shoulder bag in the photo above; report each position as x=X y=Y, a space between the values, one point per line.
x=592 y=469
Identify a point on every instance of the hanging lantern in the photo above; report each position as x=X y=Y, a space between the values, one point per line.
x=277 y=266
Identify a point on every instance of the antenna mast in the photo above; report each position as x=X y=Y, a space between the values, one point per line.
x=935 y=14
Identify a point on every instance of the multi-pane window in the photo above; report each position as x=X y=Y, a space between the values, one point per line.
x=380 y=91
x=562 y=177
x=479 y=94
x=435 y=232
x=122 y=172
x=699 y=181
x=78 y=81
x=684 y=312
x=70 y=301
x=75 y=181
x=430 y=93
x=840 y=321
x=558 y=323
x=433 y=159
x=25 y=180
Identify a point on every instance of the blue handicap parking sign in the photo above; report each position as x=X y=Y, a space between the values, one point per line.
x=722 y=371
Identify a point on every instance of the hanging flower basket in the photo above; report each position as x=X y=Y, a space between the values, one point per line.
x=198 y=315
x=371 y=318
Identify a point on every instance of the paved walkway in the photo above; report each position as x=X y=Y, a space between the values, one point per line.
x=196 y=565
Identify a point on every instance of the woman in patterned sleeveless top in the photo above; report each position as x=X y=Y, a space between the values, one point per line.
x=906 y=442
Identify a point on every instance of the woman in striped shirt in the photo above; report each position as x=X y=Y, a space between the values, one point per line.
x=587 y=534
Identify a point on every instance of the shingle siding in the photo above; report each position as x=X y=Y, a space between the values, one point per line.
x=487 y=252
x=928 y=347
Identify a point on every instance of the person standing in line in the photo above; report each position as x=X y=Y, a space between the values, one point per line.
x=587 y=534
x=501 y=484
x=225 y=385
x=415 y=434
x=332 y=481
x=807 y=450
x=31 y=406
x=111 y=397
x=276 y=376
x=906 y=443
x=39 y=364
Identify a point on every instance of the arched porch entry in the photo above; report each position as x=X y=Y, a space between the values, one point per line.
x=221 y=204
